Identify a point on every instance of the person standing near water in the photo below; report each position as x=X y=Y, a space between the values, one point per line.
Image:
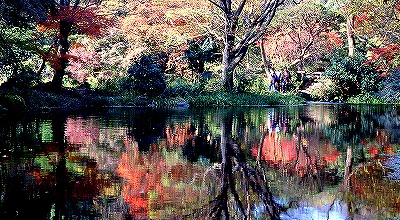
x=272 y=79
x=285 y=79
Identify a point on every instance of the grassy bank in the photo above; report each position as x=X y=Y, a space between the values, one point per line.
x=19 y=100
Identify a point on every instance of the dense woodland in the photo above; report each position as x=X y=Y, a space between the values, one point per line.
x=69 y=53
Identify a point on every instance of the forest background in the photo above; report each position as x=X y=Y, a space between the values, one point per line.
x=85 y=53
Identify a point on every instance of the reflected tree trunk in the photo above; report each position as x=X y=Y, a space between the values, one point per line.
x=348 y=168
x=347 y=178
x=58 y=127
x=233 y=168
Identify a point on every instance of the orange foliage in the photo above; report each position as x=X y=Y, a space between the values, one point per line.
x=332 y=40
x=83 y=20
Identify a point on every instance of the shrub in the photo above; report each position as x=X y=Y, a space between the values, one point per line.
x=242 y=82
x=23 y=80
x=110 y=85
x=259 y=84
x=12 y=102
x=325 y=92
x=180 y=88
x=200 y=53
x=366 y=99
x=243 y=99
x=350 y=76
x=146 y=77
x=391 y=87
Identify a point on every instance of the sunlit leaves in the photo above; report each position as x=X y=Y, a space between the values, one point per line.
x=385 y=57
x=83 y=62
x=159 y=24
x=378 y=21
x=304 y=31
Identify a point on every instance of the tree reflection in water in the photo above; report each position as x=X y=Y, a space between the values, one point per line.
x=234 y=167
x=306 y=162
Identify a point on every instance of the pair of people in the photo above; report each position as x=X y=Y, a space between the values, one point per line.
x=279 y=81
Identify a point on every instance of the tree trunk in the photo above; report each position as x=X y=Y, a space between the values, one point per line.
x=230 y=59
x=267 y=64
x=227 y=58
x=350 y=34
x=60 y=70
x=235 y=51
x=227 y=75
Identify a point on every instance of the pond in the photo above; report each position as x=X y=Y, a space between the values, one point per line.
x=285 y=162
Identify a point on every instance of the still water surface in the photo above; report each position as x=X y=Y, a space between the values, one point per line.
x=292 y=162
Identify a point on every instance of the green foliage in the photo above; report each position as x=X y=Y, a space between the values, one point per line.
x=17 y=49
x=146 y=77
x=258 y=84
x=109 y=85
x=366 y=99
x=213 y=85
x=26 y=79
x=12 y=102
x=180 y=88
x=391 y=87
x=200 y=53
x=241 y=82
x=325 y=92
x=350 y=76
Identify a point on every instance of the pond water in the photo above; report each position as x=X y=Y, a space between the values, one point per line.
x=289 y=162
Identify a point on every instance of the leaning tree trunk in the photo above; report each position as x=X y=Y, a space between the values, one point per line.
x=350 y=34
x=266 y=62
x=348 y=168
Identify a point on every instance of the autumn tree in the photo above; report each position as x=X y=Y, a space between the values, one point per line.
x=370 y=17
x=244 y=23
x=378 y=22
x=160 y=25
x=301 y=32
x=67 y=17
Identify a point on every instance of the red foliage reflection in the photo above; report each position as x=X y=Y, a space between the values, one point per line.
x=296 y=154
x=154 y=181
